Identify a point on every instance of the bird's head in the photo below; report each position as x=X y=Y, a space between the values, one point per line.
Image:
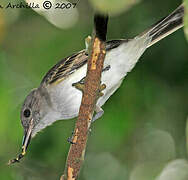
x=33 y=111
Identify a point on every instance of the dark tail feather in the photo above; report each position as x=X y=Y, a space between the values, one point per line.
x=167 y=25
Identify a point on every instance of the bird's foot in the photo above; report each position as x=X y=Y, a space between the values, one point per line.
x=70 y=139
x=80 y=86
x=101 y=88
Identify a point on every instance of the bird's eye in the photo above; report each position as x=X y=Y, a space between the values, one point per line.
x=27 y=113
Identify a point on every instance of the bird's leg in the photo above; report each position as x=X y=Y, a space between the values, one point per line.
x=101 y=88
x=99 y=112
x=70 y=139
x=106 y=68
x=79 y=85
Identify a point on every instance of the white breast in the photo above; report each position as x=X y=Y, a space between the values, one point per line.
x=66 y=99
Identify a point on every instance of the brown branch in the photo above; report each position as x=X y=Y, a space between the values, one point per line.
x=91 y=90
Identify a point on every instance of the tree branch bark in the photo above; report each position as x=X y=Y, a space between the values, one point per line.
x=91 y=90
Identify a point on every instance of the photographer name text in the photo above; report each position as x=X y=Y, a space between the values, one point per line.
x=46 y=5
x=20 y=5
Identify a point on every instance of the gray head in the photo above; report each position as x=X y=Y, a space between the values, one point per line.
x=34 y=109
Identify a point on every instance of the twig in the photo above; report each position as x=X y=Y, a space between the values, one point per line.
x=92 y=83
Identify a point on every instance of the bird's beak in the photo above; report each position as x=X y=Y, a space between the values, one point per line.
x=26 y=138
x=25 y=143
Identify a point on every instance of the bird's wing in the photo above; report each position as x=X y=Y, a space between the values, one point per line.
x=65 y=67
x=70 y=64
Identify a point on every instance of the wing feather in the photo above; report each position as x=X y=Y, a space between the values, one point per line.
x=70 y=64
x=65 y=67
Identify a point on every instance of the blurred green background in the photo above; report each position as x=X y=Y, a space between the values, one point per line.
x=142 y=133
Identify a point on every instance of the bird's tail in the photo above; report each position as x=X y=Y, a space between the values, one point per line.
x=166 y=26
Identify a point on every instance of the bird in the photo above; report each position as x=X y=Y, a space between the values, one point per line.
x=58 y=96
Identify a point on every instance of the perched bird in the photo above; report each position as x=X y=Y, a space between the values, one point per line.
x=58 y=96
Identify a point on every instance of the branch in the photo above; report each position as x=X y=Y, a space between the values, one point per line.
x=91 y=89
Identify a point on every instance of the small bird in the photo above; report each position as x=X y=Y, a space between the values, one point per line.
x=58 y=96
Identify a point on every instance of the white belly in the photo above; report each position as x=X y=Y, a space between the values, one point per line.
x=66 y=99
